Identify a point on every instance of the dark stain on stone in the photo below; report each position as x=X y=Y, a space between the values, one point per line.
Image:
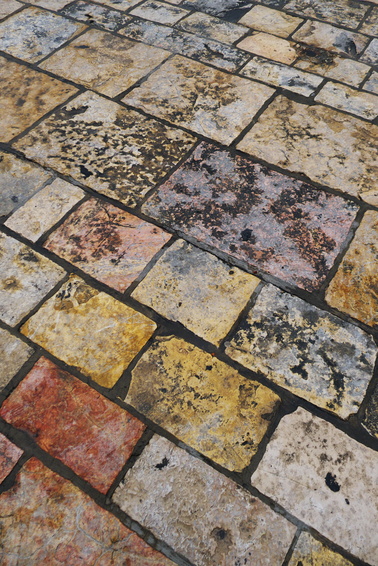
x=300 y=370
x=332 y=483
x=162 y=464
x=347 y=501
x=247 y=236
x=29 y=256
x=85 y=172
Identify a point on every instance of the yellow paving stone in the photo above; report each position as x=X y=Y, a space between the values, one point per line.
x=265 y=19
x=270 y=46
x=310 y=552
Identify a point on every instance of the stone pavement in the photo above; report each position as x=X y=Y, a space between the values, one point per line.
x=189 y=282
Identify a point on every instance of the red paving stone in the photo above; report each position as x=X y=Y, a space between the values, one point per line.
x=9 y=456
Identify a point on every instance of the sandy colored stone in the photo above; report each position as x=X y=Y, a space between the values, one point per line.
x=270 y=46
x=370 y=25
x=324 y=478
x=44 y=209
x=159 y=12
x=90 y=330
x=310 y=552
x=26 y=277
x=104 y=62
x=329 y=37
x=13 y=354
x=197 y=289
x=9 y=6
x=370 y=55
x=345 y=98
x=372 y=84
x=199 y=512
x=95 y=14
x=213 y=28
x=326 y=145
x=348 y=13
x=9 y=456
x=265 y=19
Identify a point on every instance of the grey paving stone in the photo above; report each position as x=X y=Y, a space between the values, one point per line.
x=212 y=28
x=370 y=55
x=345 y=98
x=160 y=12
x=330 y=37
x=348 y=13
x=13 y=354
x=95 y=14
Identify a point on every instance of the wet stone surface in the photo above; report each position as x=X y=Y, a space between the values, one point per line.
x=93 y=14
x=346 y=13
x=310 y=552
x=13 y=354
x=9 y=456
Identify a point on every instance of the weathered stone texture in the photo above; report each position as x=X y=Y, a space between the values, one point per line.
x=370 y=55
x=345 y=98
x=348 y=13
x=372 y=84
x=9 y=456
x=265 y=19
x=13 y=354
x=95 y=14
x=310 y=552
x=213 y=28
x=9 y=6
x=270 y=46
x=159 y=12
x=329 y=37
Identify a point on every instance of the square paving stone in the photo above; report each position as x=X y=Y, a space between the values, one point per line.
x=265 y=19
x=311 y=353
x=47 y=520
x=111 y=245
x=200 y=513
x=13 y=354
x=197 y=289
x=26 y=278
x=113 y=150
x=90 y=330
x=213 y=28
x=95 y=14
x=348 y=13
x=73 y=423
x=264 y=219
x=310 y=552
x=26 y=95
x=203 y=99
x=159 y=12
x=326 y=145
x=270 y=46
x=9 y=456
x=9 y=6
x=329 y=37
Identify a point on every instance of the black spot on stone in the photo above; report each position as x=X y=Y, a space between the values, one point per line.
x=208 y=368
x=85 y=172
x=300 y=370
x=76 y=111
x=347 y=501
x=14 y=198
x=162 y=464
x=221 y=534
x=247 y=236
x=332 y=483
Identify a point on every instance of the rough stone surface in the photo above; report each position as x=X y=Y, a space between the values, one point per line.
x=108 y=243
x=265 y=219
x=270 y=46
x=50 y=4
x=370 y=419
x=345 y=98
x=9 y=6
x=229 y=9
x=370 y=25
x=9 y=456
x=123 y=156
x=346 y=13
x=310 y=552
x=213 y=28
x=216 y=522
x=326 y=479
x=265 y=19
x=94 y=14
x=159 y=12
x=371 y=53
x=197 y=289
x=13 y=354
x=120 y=4
x=329 y=37
x=372 y=84
x=326 y=145
x=311 y=353
x=108 y=334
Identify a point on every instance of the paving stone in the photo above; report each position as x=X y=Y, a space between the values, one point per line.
x=264 y=219
x=270 y=46
x=213 y=28
x=354 y=288
x=95 y=14
x=159 y=12
x=345 y=98
x=328 y=146
x=265 y=19
x=216 y=521
x=370 y=418
x=9 y=456
x=118 y=152
x=44 y=209
x=26 y=96
x=107 y=334
x=231 y=10
x=26 y=277
x=120 y=4
x=50 y=4
x=13 y=354
x=370 y=55
x=348 y=13
x=205 y=100
x=74 y=423
x=370 y=25
x=372 y=84
x=202 y=401
x=310 y=552
x=108 y=243
x=326 y=479
x=329 y=37
x=9 y=6
x=47 y=520
x=313 y=354
x=42 y=33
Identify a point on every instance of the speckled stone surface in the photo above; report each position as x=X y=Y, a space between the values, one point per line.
x=254 y=214
x=272 y=21
x=197 y=289
x=370 y=55
x=370 y=418
x=26 y=277
x=13 y=354
x=310 y=552
x=94 y=14
x=50 y=4
x=326 y=145
x=211 y=27
x=216 y=521
x=345 y=98
x=118 y=152
x=370 y=25
x=229 y=9
x=270 y=46
x=346 y=13
x=332 y=38
x=9 y=456
x=311 y=353
x=53 y=522
x=159 y=12
x=120 y=4
x=9 y=6
x=108 y=243
x=108 y=334
x=73 y=423
x=326 y=479
x=372 y=84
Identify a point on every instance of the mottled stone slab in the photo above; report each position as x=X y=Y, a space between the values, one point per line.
x=26 y=277
x=216 y=522
x=272 y=21
x=310 y=552
x=47 y=520
x=270 y=46
x=120 y=4
x=44 y=209
x=328 y=146
x=160 y=12
x=27 y=95
x=348 y=13
x=212 y=28
x=311 y=353
x=332 y=38
x=13 y=354
x=95 y=14
x=354 y=289
x=50 y=4
x=372 y=84
x=42 y=33
x=90 y=330
x=345 y=98
x=370 y=418
x=9 y=456
x=103 y=62
x=264 y=219
x=118 y=152
x=9 y=6
x=370 y=25
x=370 y=55
x=326 y=479
x=231 y=10
x=74 y=423
x=108 y=243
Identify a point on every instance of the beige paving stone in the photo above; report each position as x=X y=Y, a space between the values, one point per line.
x=202 y=401
x=370 y=25
x=223 y=104
x=328 y=146
x=310 y=552
x=348 y=13
x=90 y=330
x=120 y=4
x=269 y=46
x=197 y=289
x=372 y=84
x=9 y=6
x=50 y=4
x=159 y=12
x=272 y=21
x=104 y=62
x=13 y=354
x=199 y=512
x=331 y=65
x=370 y=55
x=343 y=97
x=326 y=479
x=44 y=209
x=329 y=37
x=213 y=28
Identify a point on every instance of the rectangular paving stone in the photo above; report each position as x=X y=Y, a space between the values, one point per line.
x=270 y=46
x=370 y=55
x=204 y=100
x=348 y=13
x=329 y=37
x=345 y=98
x=95 y=14
x=370 y=25
x=159 y=12
x=216 y=522
x=74 y=423
x=9 y=456
x=272 y=21
x=50 y=4
x=231 y=10
x=118 y=152
x=328 y=146
x=263 y=219
x=326 y=479
x=197 y=289
x=372 y=84
x=90 y=330
x=47 y=520
x=120 y=4
x=9 y=6
x=26 y=277
x=110 y=244
x=13 y=354
x=310 y=552
x=103 y=62
x=212 y=28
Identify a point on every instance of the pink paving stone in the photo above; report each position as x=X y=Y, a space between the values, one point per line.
x=9 y=456
x=73 y=423
x=111 y=245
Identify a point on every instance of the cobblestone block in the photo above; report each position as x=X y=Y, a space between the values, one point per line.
x=13 y=354
x=270 y=46
x=329 y=37
x=265 y=19
x=95 y=14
